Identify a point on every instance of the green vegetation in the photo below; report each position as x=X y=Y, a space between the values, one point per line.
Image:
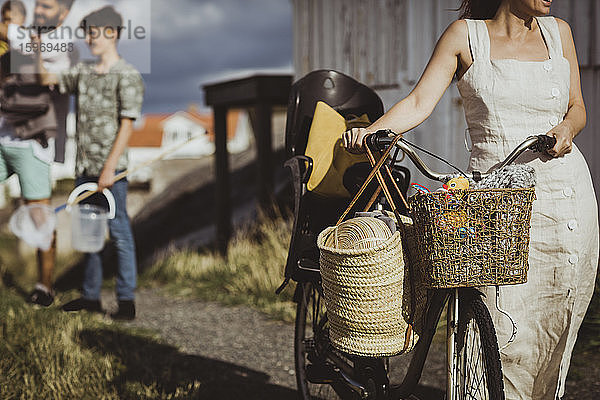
x=19 y=269
x=249 y=275
x=49 y=354
x=63 y=186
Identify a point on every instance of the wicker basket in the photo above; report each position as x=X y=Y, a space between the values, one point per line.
x=367 y=296
x=474 y=237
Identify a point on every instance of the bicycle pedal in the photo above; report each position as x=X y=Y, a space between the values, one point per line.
x=309 y=345
x=320 y=373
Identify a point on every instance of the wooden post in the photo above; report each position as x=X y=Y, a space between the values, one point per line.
x=258 y=93
x=223 y=200
x=264 y=154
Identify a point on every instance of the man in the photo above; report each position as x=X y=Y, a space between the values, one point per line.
x=31 y=159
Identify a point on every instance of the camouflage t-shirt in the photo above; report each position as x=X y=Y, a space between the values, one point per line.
x=101 y=101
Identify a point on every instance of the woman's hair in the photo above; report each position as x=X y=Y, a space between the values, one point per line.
x=479 y=9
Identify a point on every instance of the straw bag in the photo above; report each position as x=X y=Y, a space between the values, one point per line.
x=374 y=301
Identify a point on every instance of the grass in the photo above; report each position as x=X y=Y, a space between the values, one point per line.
x=249 y=275
x=63 y=186
x=19 y=269
x=46 y=353
x=49 y=354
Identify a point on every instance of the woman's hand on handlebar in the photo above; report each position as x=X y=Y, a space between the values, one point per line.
x=564 y=139
x=354 y=139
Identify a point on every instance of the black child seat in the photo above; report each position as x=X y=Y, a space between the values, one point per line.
x=312 y=212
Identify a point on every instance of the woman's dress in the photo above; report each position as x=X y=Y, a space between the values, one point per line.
x=506 y=101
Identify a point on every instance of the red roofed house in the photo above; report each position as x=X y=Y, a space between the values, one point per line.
x=182 y=135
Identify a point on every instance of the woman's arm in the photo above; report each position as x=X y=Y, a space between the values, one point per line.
x=574 y=120
x=419 y=104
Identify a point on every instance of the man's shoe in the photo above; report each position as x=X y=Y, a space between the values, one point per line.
x=83 y=304
x=126 y=310
x=41 y=297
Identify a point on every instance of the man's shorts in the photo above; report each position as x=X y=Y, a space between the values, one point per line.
x=33 y=173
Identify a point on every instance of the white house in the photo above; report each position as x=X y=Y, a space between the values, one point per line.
x=182 y=135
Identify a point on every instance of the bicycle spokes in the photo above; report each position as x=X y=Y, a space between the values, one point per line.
x=472 y=375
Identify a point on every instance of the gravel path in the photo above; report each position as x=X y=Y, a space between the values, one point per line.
x=240 y=353
x=237 y=339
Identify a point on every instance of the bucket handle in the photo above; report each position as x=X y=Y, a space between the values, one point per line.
x=93 y=187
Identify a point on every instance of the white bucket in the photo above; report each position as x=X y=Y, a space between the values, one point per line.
x=89 y=223
x=34 y=224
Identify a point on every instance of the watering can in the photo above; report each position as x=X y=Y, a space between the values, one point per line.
x=89 y=223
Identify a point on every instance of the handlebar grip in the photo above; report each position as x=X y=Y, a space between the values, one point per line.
x=379 y=140
x=544 y=143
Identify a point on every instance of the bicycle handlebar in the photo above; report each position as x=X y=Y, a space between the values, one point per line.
x=383 y=138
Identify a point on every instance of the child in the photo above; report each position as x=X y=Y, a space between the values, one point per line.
x=26 y=153
x=109 y=96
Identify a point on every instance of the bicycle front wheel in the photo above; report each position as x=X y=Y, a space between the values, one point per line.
x=479 y=371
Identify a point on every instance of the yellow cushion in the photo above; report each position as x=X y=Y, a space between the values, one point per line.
x=326 y=148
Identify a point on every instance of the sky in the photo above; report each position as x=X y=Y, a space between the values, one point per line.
x=197 y=42
x=189 y=43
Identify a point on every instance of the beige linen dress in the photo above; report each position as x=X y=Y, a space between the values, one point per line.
x=505 y=101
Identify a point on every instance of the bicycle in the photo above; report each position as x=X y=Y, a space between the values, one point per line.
x=473 y=359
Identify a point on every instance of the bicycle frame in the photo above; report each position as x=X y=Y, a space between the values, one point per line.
x=383 y=138
x=437 y=301
x=350 y=375
x=452 y=381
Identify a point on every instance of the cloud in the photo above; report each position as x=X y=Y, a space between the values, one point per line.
x=197 y=42
x=175 y=21
x=194 y=42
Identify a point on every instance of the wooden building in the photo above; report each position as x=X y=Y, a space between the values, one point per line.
x=387 y=43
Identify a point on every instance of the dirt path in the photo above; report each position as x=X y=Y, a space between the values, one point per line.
x=239 y=338
x=242 y=346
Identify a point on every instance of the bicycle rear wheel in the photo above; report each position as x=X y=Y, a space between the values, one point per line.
x=311 y=340
x=316 y=374
x=479 y=368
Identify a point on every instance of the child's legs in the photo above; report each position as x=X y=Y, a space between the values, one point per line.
x=33 y=173
x=5 y=172
x=121 y=234
x=92 y=276
x=36 y=187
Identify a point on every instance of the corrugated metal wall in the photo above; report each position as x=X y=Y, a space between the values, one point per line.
x=584 y=18
x=360 y=38
x=387 y=43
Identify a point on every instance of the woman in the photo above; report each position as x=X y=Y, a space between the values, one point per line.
x=518 y=75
